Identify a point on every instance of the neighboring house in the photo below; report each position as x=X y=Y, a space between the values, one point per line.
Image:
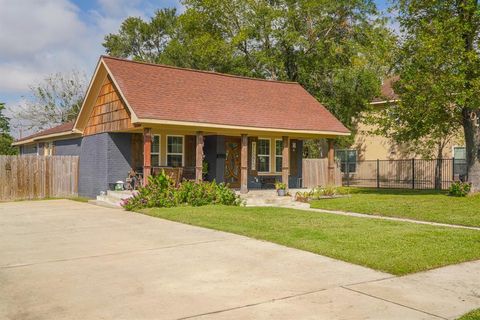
x=144 y=116
x=367 y=146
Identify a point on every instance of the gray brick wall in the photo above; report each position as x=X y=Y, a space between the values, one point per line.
x=104 y=158
x=69 y=147
x=93 y=165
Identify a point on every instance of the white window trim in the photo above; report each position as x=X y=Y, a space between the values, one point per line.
x=265 y=155
x=278 y=156
x=159 y=150
x=175 y=154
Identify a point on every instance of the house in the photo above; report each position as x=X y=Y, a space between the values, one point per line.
x=368 y=147
x=146 y=117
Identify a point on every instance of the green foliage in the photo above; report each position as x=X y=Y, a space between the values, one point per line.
x=6 y=139
x=337 y=50
x=321 y=192
x=439 y=71
x=280 y=186
x=161 y=192
x=459 y=189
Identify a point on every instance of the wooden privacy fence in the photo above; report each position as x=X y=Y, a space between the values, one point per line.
x=37 y=177
x=315 y=173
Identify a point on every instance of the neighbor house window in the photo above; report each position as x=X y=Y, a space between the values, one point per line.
x=175 y=151
x=278 y=155
x=263 y=155
x=155 y=151
x=348 y=160
x=460 y=161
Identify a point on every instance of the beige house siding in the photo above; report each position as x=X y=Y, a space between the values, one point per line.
x=373 y=147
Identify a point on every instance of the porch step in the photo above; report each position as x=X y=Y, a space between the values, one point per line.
x=114 y=198
x=262 y=198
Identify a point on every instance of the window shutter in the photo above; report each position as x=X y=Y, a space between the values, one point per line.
x=252 y=155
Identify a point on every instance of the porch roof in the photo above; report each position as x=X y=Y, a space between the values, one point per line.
x=64 y=129
x=170 y=95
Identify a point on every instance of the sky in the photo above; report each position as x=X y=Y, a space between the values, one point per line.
x=42 y=37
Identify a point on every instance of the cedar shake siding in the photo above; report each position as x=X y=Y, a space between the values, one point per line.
x=109 y=112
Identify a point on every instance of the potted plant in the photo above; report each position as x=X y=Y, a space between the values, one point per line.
x=281 y=188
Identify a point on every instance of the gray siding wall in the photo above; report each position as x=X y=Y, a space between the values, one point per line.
x=69 y=147
x=104 y=158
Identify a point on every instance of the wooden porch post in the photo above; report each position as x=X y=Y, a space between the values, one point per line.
x=244 y=164
x=147 y=149
x=285 y=160
x=199 y=158
x=331 y=163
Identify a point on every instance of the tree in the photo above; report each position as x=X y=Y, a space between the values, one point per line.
x=338 y=50
x=5 y=138
x=439 y=76
x=55 y=100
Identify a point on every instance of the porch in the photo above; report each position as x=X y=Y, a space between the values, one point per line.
x=244 y=161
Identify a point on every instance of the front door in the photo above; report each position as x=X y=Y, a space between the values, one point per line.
x=232 y=161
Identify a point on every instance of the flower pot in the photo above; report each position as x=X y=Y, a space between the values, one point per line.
x=281 y=192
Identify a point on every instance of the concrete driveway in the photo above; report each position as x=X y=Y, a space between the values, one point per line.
x=61 y=259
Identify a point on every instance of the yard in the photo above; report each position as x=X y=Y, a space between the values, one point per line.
x=413 y=204
x=395 y=247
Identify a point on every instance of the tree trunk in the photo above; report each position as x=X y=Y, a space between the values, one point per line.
x=472 y=142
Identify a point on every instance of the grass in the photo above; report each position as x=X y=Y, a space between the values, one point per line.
x=473 y=315
x=413 y=204
x=394 y=247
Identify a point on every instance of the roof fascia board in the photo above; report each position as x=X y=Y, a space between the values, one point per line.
x=146 y=121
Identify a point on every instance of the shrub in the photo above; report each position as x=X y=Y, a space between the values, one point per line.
x=459 y=189
x=321 y=192
x=162 y=192
x=280 y=186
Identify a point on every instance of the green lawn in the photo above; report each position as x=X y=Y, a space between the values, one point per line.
x=474 y=315
x=412 y=204
x=395 y=247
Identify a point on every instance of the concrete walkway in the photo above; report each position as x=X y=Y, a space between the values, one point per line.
x=371 y=216
x=67 y=260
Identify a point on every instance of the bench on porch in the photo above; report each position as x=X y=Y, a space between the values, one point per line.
x=267 y=182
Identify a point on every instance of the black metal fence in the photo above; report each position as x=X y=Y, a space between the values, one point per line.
x=411 y=173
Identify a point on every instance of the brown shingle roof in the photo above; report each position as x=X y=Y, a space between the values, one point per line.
x=168 y=93
x=387 y=92
x=64 y=127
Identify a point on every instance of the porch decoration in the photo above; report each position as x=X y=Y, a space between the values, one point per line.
x=281 y=189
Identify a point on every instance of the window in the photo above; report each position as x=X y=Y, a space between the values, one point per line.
x=175 y=151
x=278 y=155
x=347 y=156
x=263 y=155
x=459 y=161
x=155 y=151
x=459 y=153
